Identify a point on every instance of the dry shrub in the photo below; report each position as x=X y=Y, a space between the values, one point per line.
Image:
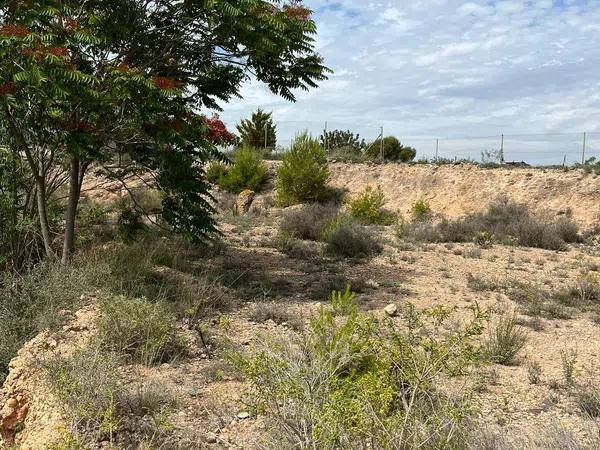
x=505 y=339
x=309 y=221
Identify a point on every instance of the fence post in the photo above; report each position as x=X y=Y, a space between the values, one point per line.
x=502 y=149
x=381 y=146
x=583 y=150
x=437 y=147
x=326 y=139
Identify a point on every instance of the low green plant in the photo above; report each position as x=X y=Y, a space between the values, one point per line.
x=367 y=207
x=355 y=382
x=142 y=331
x=421 y=210
x=534 y=372
x=505 y=339
x=569 y=365
x=130 y=224
x=345 y=237
x=343 y=303
x=216 y=172
x=303 y=174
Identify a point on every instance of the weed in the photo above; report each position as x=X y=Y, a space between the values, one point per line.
x=534 y=372
x=421 y=210
x=569 y=361
x=142 y=331
x=279 y=314
x=505 y=340
x=308 y=222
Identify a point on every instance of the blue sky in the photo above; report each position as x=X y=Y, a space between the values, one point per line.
x=448 y=68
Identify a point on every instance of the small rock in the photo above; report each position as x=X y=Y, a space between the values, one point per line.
x=12 y=402
x=391 y=310
x=243 y=415
x=211 y=438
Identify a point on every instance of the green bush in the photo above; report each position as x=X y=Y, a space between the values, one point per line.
x=354 y=382
x=367 y=207
x=142 y=331
x=308 y=222
x=252 y=130
x=345 y=237
x=130 y=224
x=216 y=172
x=393 y=150
x=303 y=174
x=248 y=172
x=421 y=210
x=505 y=340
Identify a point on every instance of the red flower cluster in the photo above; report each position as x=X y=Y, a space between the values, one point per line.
x=71 y=24
x=217 y=131
x=7 y=88
x=75 y=126
x=297 y=12
x=39 y=51
x=166 y=83
x=12 y=30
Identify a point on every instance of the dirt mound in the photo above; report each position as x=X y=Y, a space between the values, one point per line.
x=31 y=417
x=456 y=190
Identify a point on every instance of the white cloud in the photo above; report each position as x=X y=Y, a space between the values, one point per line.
x=448 y=68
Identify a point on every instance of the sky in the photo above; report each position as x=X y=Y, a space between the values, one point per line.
x=449 y=69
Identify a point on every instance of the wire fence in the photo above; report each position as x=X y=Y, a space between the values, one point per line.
x=539 y=149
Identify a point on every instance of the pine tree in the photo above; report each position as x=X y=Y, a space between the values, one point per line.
x=258 y=131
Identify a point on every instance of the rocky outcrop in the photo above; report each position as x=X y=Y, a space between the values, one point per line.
x=30 y=415
x=244 y=201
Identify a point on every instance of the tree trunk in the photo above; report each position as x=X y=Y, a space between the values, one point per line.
x=42 y=207
x=73 y=201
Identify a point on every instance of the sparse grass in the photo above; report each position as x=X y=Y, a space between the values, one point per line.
x=279 y=314
x=569 y=361
x=588 y=399
x=505 y=340
x=142 y=331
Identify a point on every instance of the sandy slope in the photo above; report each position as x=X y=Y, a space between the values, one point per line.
x=461 y=189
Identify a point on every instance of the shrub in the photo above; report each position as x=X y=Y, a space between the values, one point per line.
x=216 y=172
x=367 y=207
x=308 y=222
x=355 y=382
x=505 y=340
x=508 y=222
x=303 y=174
x=295 y=248
x=393 y=150
x=248 y=172
x=421 y=210
x=130 y=224
x=142 y=331
x=345 y=237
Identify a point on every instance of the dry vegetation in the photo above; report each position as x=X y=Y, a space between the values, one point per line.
x=491 y=343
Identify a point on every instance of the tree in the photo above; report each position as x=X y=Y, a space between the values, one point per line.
x=83 y=82
x=393 y=150
x=258 y=131
x=338 y=139
x=303 y=174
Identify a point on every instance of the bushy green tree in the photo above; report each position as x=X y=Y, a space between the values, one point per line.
x=258 y=131
x=248 y=172
x=339 y=139
x=82 y=83
x=303 y=175
x=393 y=150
